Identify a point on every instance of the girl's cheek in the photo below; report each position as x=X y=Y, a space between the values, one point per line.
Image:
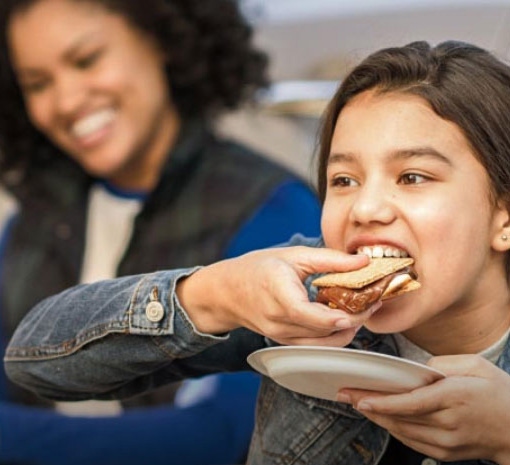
x=334 y=220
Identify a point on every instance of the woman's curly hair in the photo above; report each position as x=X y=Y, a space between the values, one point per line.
x=212 y=66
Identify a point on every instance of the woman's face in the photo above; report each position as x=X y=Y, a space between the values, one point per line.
x=96 y=87
x=403 y=180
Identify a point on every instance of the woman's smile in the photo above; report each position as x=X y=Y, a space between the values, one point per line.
x=92 y=128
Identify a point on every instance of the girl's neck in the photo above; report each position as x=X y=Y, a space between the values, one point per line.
x=466 y=331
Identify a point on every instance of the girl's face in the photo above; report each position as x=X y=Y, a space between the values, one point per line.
x=403 y=180
x=95 y=85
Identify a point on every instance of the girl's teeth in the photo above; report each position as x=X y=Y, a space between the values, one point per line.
x=393 y=253
x=379 y=251
x=365 y=251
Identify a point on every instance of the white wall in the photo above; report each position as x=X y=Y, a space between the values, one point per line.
x=299 y=34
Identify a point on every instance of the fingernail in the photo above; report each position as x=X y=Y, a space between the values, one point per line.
x=375 y=307
x=362 y=405
x=342 y=397
x=343 y=324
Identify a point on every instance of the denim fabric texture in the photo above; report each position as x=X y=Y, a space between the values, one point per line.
x=67 y=350
x=209 y=188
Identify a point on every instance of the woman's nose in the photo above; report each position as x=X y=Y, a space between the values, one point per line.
x=68 y=94
x=373 y=204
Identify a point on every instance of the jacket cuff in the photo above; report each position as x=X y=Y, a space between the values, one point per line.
x=155 y=310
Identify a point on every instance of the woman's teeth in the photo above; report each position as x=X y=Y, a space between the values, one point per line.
x=93 y=122
x=380 y=251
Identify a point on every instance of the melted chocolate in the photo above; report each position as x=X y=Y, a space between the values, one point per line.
x=358 y=300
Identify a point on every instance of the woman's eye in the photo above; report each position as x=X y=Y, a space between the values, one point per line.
x=87 y=60
x=343 y=181
x=412 y=178
x=33 y=87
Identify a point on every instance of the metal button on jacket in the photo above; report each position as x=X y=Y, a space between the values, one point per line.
x=429 y=461
x=154 y=311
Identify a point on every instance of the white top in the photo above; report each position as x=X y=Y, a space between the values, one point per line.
x=411 y=351
x=109 y=228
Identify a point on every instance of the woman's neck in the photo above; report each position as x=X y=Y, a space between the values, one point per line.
x=143 y=170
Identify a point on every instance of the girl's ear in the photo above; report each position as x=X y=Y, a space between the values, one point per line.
x=501 y=234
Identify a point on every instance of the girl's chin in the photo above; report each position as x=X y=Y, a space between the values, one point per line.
x=386 y=321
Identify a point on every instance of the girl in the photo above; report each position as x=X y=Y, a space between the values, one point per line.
x=414 y=161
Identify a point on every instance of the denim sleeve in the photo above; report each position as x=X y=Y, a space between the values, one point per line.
x=117 y=338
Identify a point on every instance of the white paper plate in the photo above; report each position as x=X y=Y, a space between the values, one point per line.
x=322 y=371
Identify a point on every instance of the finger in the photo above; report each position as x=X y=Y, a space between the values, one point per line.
x=415 y=434
x=336 y=339
x=363 y=400
x=425 y=438
x=406 y=427
x=353 y=396
x=303 y=336
x=323 y=260
x=349 y=320
x=315 y=316
x=304 y=326
x=421 y=401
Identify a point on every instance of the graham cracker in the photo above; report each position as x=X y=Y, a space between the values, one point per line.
x=375 y=270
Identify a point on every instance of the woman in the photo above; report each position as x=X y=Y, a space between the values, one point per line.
x=414 y=159
x=107 y=140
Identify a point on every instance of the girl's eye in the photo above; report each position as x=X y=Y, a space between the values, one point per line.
x=412 y=178
x=343 y=181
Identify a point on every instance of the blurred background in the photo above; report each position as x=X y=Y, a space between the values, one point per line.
x=305 y=37
x=312 y=43
x=316 y=41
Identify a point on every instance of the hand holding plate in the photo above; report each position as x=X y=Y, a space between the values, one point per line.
x=448 y=420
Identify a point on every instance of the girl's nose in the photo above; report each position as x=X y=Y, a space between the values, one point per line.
x=373 y=204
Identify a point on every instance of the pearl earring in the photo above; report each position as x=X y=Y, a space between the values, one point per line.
x=504 y=237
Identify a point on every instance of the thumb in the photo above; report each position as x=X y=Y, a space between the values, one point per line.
x=312 y=260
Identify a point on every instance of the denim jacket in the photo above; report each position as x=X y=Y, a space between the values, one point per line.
x=121 y=337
